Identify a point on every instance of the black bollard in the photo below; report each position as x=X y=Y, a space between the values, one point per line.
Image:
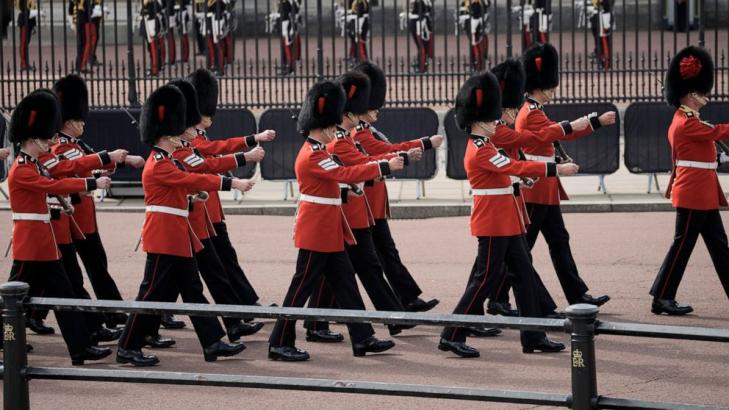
x=581 y=320
x=15 y=357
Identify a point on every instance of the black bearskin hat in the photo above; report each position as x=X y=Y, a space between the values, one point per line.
x=357 y=89
x=479 y=99
x=192 y=112
x=38 y=115
x=73 y=97
x=323 y=107
x=206 y=86
x=512 y=79
x=163 y=114
x=691 y=70
x=541 y=64
x=378 y=83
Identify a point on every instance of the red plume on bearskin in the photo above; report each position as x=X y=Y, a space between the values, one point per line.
x=323 y=107
x=541 y=65
x=192 y=113
x=163 y=114
x=691 y=70
x=206 y=86
x=357 y=87
x=38 y=115
x=468 y=110
x=378 y=84
x=512 y=79
x=74 y=97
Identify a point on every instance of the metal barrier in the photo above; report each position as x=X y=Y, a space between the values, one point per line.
x=646 y=142
x=455 y=149
x=281 y=154
x=581 y=324
x=425 y=56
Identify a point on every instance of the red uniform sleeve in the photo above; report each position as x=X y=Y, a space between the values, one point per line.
x=537 y=120
x=221 y=147
x=494 y=161
x=167 y=174
x=66 y=168
x=323 y=166
x=506 y=137
x=373 y=146
x=27 y=177
x=702 y=131
x=211 y=165
x=350 y=155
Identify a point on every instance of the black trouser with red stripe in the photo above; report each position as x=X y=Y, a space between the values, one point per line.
x=401 y=281
x=364 y=260
x=86 y=36
x=487 y=271
x=93 y=256
x=166 y=277
x=25 y=32
x=94 y=321
x=311 y=266
x=227 y=254
x=48 y=279
x=689 y=224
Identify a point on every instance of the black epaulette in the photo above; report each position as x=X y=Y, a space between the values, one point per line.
x=362 y=126
x=158 y=156
x=317 y=147
x=479 y=143
x=534 y=107
x=500 y=122
x=689 y=114
x=340 y=135
x=21 y=160
x=63 y=140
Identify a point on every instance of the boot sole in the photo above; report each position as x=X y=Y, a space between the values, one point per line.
x=538 y=350
x=658 y=311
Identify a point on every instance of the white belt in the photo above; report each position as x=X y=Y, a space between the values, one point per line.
x=31 y=217
x=320 y=200
x=539 y=158
x=168 y=210
x=696 y=164
x=493 y=191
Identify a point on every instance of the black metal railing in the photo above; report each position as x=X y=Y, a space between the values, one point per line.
x=627 y=64
x=581 y=324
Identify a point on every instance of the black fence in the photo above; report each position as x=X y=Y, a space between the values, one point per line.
x=581 y=324
x=426 y=56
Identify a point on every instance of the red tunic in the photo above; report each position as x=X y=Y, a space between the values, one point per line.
x=322 y=227
x=194 y=161
x=531 y=117
x=377 y=192
x=60 y=167
x=85 y=209
x=33 y=238
x=487 y=169
x=166 y=187
x=357 y=209
x=209 y=148
x=693 y=140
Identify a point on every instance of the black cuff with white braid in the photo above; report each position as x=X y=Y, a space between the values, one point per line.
x=226 y=184
x=566 y=127
x=405 y=157
x=240 y=158
x=90 y=184
x=594 y=121
x=105 y=158
x=551 y=169
x=427 y=143
x=251 y=141
x=384 y=168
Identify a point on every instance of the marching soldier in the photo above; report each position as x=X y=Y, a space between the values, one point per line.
x=79 y=12
x=694 y=186
x=495 y=218
x=473 y=17
x=541 y=63
x=36 y=258
x=321 y=229
x=420 y=25
x=207 y=92
x=27 y=21
x=512 y=80
x=87 y=240
x=363 y=255
x=375 y=143
x=358 y=28
x=151 y=29
x=167 y=236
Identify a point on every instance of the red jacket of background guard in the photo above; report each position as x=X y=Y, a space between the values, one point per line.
x=33 y=240
x=548 y=191
x=167 y=185
x=693 y=140
x=323 y=227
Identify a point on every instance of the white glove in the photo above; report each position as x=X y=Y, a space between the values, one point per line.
x=723 y=158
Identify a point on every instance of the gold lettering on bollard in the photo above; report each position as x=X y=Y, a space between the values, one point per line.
x=8 y=332
x=577 y=359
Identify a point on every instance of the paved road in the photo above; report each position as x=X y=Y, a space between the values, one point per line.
x=617 y=253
